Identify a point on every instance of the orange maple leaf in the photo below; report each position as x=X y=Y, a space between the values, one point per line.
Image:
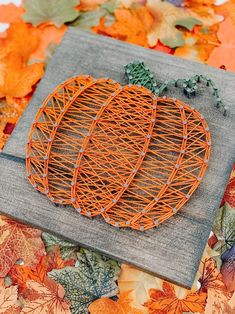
x=108 y=306
x=10 y=13
x=48 y=34
x=221 y=55
x=20 y=274
x=166 y=301
x=131 y=25
x=46 y=297
x=16 y=78
x=18 y=241
x=21 y=38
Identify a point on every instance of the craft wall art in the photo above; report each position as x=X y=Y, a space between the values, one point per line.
x=120 y=152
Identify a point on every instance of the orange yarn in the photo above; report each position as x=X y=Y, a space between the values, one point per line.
x=119 y=152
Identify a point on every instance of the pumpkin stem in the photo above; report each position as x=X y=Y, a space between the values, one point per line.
x=138 y=74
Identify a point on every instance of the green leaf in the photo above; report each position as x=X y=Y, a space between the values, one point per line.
x=224 y=228
x=56 y=11
x=67 y=249
x=110 y=5
x=94 y=278
x=188 y=22
x=175 y=42
x=86 y=20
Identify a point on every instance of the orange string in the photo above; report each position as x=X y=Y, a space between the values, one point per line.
x=118 y=152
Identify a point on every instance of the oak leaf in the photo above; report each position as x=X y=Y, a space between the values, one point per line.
x=16 y=78
x=94 y=278
x=166 y=301
x=10 y=13
x=46 y=297
x=18 y=241
x=55 y=11
x=221 y=55
x=108 y=306
x=131 y=25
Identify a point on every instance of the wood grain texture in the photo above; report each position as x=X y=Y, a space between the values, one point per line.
x=172 y=251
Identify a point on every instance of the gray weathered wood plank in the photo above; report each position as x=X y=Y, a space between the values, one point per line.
x=172 y=251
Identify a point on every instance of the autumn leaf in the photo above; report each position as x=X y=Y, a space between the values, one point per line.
x=10 y=13
x=108 y=306
x=14 y=42
x=48 y=34
x=167 y=16
x=210 y=278
x=228 y=268
x=20 y=274
x=46 y=297
x=86 y=20
x=131 y=25
x=224 y=228
x=88 y=5
x=160 y=47
x=67 y=248
x=219 y=303
x=16 y=78
x=139 y=283
x=229 y=194
x=55 y=11
x=18 y=241
x=221 y=55
x=227 y=9
x=168 y=302
x=92 y=279
x=8 y=299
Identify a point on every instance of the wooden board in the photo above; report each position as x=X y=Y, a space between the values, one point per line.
x=172 y=251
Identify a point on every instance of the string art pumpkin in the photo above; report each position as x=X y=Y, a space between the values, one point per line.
x=117 y=151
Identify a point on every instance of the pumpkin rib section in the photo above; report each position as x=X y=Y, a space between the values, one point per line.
x=72 y=135
x=150 y=199
x=43 y=125
x=69 y=133
x=189 y=174
x=118 y=142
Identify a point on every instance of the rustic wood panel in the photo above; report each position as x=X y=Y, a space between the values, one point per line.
x=172 y=251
